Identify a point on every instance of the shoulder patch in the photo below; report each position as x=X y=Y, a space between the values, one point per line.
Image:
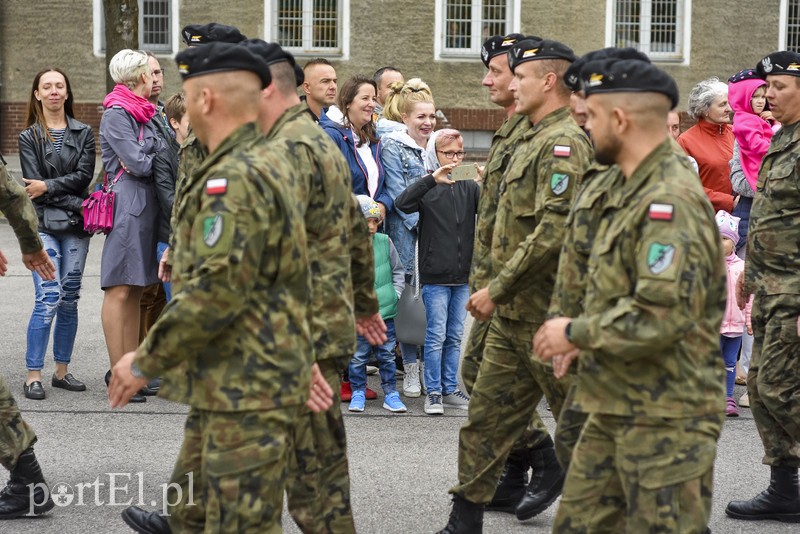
x=216 y=186
x=661 y=212
x=659 y=257
x=559 y=182
x=212 y=230
x=562 y=151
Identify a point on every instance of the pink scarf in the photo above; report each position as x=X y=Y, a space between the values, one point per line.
x=141 y=110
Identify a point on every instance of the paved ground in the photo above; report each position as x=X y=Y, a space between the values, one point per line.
x=401 y=465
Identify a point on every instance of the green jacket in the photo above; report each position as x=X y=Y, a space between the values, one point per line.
x=19 y=211
x=387 y=296
x=235 y=335
x=656 y=293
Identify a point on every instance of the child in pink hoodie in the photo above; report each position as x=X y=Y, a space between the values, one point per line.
x=735 y=320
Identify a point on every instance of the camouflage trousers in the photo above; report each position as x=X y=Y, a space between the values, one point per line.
x=509 y=386
x=640 y=474
x=231 y=472
x=569 y=426
x=15 y=434
x=773 y=381
x=535 y=433
x=318 y=488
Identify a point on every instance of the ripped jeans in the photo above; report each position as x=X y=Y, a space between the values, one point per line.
x=57 y=299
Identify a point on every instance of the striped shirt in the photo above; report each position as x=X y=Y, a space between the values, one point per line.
x=58 y=138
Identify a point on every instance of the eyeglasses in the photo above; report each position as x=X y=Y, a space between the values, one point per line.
x=452 y=155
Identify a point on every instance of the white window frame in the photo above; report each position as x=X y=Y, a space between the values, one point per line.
x=440 y=52
x=98 y=38
x=783 y=22
x=683 y=34
x=342 y=53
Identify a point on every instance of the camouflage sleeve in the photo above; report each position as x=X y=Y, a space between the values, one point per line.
x=362 y=263
x=228 y=239
x=673 y=263
x=557 y=178
x=190 y=156
x=16 y=206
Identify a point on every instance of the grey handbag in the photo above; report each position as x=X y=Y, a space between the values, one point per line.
x=410 y=323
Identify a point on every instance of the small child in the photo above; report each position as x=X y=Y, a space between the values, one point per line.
x=734 y=320
x=389 y=283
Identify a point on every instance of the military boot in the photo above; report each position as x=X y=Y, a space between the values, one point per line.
x=546 y=482
x=26 y=492
x=779 y=502
x=512 y=483
x=465 y=517
x=145 y=522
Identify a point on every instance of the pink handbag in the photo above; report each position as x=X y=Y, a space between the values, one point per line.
x=98 y=209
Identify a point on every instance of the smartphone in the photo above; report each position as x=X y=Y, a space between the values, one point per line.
x=464 y=172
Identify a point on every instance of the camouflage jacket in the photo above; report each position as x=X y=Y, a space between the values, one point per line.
x=504 y=142
x=773 y=249
x=535 y=197
x=19 y=211
x=655 y=297
x=190 y=156
x=235 y=335
x=339 y=247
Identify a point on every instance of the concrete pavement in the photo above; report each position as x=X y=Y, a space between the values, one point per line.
x=401 y=465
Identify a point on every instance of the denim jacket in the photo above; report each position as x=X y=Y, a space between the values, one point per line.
x=403 y=165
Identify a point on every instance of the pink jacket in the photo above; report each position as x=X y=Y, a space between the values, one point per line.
x=735 y=320
x=751 y=131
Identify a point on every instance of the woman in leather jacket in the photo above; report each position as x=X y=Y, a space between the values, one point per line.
x=57 y=155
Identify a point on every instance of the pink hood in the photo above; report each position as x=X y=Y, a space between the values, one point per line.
x=751 y=131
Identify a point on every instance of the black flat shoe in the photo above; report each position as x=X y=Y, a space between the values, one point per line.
x=34 y=390
x=138 y=397
x=108 y=377
x=151 y=389
x=69 y=382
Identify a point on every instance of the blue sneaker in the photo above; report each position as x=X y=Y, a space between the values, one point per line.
x=393 y=403
x=357 y=401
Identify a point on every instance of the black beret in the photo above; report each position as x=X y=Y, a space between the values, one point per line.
x=746 y=74
x=627 y=76
x=220 y=57
x=200 y=34
x=534 y=49
x=783 y=62
x=572 y=76
x=272 y=53
x=499 y=44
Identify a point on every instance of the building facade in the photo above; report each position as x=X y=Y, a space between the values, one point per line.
x=437 y=40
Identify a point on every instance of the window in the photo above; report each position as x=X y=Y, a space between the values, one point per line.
x=790 y=26
x=158 y=26
x=656 y=27
x=309 y=27
x=463 y=25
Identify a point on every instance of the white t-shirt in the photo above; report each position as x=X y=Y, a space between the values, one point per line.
x=369 y=162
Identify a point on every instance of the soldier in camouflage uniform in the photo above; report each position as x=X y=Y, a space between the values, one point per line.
x=16 y=437
x=534 y=197
x=234 y=342
x=494 y=54
x=772 y=271
x=341 y=261
x=647 y=339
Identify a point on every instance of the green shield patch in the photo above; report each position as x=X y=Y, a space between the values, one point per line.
x=659 y=257
x=559 y=183
x=212 y=230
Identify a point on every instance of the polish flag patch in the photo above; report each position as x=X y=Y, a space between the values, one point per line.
x=217 y=186
x=661 y=212
x=562 y=151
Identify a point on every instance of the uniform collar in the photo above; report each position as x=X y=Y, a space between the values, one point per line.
x=239 y=136
x=556 y=116
x=788 y=134
x=298 y=110
x=621 y=195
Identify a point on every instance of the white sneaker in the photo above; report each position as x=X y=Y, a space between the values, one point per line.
x=433 y=404
x=456 y=399
x=411 y=385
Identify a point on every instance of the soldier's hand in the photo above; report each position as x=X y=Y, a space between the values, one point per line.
x=41 y=264
x=741 y=298
x=561 y=363
x=321 y=395
x=481 y=305
x=164 y=268
x=3 y=264
x=481 y=171
x=35 y=188
x=372 y=328
x=123 y=384
x=551 y=339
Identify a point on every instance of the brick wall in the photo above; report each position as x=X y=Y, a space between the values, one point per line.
x=14 y=114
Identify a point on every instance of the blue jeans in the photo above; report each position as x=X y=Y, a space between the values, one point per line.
x=57 y=299
x=385 y=356
x=445 y=312
x=729 y=346
x=160 y=248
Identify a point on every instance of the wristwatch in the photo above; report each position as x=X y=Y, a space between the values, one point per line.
x=568 y=331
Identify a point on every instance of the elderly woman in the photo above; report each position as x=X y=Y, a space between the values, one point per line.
x=129 y=142
x=710 y=141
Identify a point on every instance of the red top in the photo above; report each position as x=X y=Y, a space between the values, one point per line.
x=711 y=145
